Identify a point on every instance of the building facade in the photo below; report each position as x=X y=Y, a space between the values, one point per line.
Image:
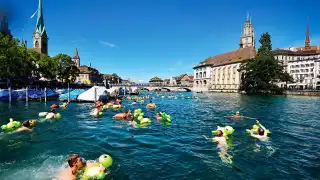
x=302 y=63
x=40 y=37
x=220 y=73
x=156 y=81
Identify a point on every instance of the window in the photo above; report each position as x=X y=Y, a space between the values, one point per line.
x=200 y=75
x=204 y=74
x=197 y=76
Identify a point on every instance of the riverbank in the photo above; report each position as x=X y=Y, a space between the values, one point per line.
x=303 y=93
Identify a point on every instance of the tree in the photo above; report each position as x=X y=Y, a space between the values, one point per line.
x=67 y=71
x=264 y=72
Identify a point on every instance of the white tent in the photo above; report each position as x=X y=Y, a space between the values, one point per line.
x=94 y=94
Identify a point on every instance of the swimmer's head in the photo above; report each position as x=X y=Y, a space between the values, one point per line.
x=135 y=101
x=219 y=133
x=74 y=160
x=261 y=131
x=159 y=114
x=237 y=113
x=150 y=101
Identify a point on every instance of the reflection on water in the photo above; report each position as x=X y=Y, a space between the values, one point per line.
x=169 y=151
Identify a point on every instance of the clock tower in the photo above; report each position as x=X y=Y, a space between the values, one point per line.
x=40 y=37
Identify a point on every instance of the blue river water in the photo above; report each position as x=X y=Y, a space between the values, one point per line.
x=175 y=151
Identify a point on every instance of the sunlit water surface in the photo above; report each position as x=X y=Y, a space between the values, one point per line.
x=176 y=151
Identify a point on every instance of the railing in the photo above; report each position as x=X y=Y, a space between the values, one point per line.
x=153 y=85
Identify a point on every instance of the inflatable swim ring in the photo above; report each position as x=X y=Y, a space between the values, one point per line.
x=255 y=129
x=12 y=125
x=95 y=172
x=145 y=120
x=227 y=130
x=43 y=114
x=58 y=115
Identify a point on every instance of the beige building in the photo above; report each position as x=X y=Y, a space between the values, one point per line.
x=302 y=63
x=220 y=73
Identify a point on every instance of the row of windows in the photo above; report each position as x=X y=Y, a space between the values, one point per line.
x=281 y=57
x=301 y=70
x=302 y=65
x=200 y=75
x=301 y=76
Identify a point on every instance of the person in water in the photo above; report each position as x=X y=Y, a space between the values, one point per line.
x=262 y=132
x=222 y=145
x=151 y=105
x=51 y=114
x=27 y=125
x=97 y=109
x=134 y=102
x=76 y=163
x=159 y=117
x=118 y=101
x=132 y=122
x=125 y=115
x=64 y=105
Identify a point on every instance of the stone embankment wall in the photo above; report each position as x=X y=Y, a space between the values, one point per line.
x=303 y=93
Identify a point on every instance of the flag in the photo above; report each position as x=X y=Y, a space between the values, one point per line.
x=34 y=14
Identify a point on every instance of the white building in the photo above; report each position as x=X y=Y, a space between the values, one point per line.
x=220 y=72
x=302 y=63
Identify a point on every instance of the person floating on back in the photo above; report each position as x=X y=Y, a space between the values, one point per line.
x=237 y=116
x=27 y=125
x=125 y=115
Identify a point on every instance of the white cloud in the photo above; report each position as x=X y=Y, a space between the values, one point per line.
x=141 y=80
x=108 y=44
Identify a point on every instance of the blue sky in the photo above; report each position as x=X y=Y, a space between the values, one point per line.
x=139 y=39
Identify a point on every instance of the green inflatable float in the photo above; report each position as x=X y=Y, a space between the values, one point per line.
x=227 y=130
x=139 y=116
x=255 y=129
x=58 y=115
x=165 y=117
x=95 y=172
x=12 y=125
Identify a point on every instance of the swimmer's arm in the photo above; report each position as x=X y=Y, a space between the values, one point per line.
x=262 y=127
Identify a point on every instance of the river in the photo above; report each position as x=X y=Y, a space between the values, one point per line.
x=175 y=151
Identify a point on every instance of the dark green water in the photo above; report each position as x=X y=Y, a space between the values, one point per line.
x=177 y=151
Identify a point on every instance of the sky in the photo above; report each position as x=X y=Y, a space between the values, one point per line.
x=140 y=39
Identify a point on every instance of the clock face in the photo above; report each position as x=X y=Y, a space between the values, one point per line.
x=37 y=35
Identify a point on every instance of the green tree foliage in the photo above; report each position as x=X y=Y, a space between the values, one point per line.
x=16 y=60
x=264 y=72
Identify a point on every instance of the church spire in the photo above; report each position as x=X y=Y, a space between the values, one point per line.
x=40 y=20
x=76 y=58
x=307 y=42
x=76 y=54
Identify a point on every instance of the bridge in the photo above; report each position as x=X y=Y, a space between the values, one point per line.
x=148 y=87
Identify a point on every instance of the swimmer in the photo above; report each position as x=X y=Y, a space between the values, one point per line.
x=159 y=117
x=237 y=116
x=75 y=163
x=122 y=115
x=132 y=122
x=129 y=98
x=27 y=125
x=151 y=105
x=222 y=146
x=118 y=101
x=51 y=114
x=134 y=102
x=97 y=110
x=262 y=132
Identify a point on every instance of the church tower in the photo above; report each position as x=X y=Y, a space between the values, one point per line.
x=247 y=36
x=40 y=37
x=4 y=25
x=76 y=58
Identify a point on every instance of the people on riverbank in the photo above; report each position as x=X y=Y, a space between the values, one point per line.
x=27 y=125
x=261 y=133
x=76 y=163
x=121 y=116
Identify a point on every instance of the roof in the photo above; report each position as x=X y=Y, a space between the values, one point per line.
x=231 y=57
x=84 y=69
x=110 y=75
x=300 y=51
x=155 y=79
x=76 y=54
x=180 y=77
